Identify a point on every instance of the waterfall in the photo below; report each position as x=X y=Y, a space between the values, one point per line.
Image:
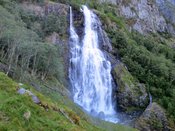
x=89 y=70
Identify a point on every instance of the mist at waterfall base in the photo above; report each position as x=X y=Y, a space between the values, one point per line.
x=89 y=70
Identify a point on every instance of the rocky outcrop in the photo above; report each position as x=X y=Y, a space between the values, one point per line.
x=167 y=8
x=131 y=95
x=147 y=15
x=152 y=119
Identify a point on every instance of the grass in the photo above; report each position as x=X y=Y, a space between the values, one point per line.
x=54 y=113
x=13 y=106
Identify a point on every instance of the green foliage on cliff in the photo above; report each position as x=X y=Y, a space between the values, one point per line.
x=131 y=95
x=151 y=61
x=26 y=56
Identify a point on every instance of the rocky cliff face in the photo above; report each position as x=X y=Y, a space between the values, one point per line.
x=167 y=8
x=147 y=15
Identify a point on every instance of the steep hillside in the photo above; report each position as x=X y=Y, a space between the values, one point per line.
x=33 y=42
x=147 y=52
x=21 y=112
x=34 y=49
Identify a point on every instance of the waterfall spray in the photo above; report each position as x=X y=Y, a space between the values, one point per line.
x=89 y=71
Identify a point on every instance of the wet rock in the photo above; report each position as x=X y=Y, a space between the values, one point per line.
x=131 y=95
x=153 y=119
x=102 y=36
x=78 y=20
x=101 y=115
x=104 y=40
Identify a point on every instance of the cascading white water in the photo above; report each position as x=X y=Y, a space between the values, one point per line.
x=89 y=72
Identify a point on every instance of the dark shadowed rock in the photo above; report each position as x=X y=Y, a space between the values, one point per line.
x=78 y=21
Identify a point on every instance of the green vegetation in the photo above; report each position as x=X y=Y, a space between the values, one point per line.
x=28 y=57
x=13 y=106
x=130 y=91
x=19 y=112
x=150 y=59
x=152 y=63
x=22 y=45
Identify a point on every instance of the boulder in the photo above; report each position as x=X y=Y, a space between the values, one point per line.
x=35 y=99
x=131 y=95
x=153 y=119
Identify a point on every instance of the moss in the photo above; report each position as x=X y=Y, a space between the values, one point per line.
x=125 y=78
x=131 y=109
x=153 y=118
x=130 y=94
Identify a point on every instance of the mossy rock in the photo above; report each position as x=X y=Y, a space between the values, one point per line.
x=153 y=119
x=131 y=95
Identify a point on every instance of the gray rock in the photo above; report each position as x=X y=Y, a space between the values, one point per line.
x=152 y=119
x=24 y=91
x=103 y=38
x=35 y=99
x=167 y=8
x=101 y=115
x=147 y=15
